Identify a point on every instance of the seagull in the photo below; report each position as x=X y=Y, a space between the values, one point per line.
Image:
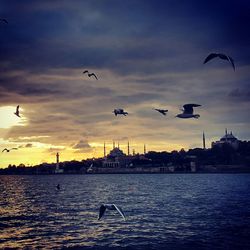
x=120 y=112
x=17 y=111
x=58 y=187
x=103 y=208
x=90 y=74
x=4 y=20
x=221 y=56
x=162 y=111
x=8 y=150
x=188 y=111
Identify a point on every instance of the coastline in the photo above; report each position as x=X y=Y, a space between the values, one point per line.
x=206 y=169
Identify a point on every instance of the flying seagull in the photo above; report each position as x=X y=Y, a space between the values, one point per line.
x=221 y=56
x=103 y=208
x=90 y=74
x=188 y=111
x=162 y=111
x=3 y=20
x=8 y=150
x=17 y=111
x=120 y=112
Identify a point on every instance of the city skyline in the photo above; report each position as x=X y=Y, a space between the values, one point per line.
x=146 y=54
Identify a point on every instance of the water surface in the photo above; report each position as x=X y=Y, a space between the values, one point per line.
x=175 y=211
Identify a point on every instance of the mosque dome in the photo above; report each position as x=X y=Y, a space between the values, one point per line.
x=116 y=152
x=228 y=137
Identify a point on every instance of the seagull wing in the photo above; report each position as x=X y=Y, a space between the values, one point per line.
x=210 y=57
x=188 y=108
x=101 y=211
x=163 y=111
x=223 y=56
x=5 y=150
x=228 y=58
x=232 y=62
x=93 y=74
x=14 y=148
x=85 y=71
x=120 y=211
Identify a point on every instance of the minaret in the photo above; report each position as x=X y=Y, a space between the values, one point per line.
x=133 y=152
x=113 y=144
x=128 y=148
x=118 y=145
x=145 y=149
x=204 y=141
x=104 y=149
x=226 y=133
x=57 y=161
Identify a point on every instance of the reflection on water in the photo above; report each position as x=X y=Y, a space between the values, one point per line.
x=205 y=211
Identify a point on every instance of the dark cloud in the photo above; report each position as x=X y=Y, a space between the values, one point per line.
x=83 y=33
x=28 y=145
x=82 y=145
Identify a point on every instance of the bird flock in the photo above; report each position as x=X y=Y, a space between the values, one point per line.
x=188 y=109
x=187 y=112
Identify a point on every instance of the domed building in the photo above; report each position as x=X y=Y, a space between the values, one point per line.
x=228 y=138
x=115 y=159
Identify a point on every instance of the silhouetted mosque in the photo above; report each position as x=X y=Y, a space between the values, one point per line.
x=117 y=158
x=228 y=139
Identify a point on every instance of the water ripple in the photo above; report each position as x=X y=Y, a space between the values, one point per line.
x=206 y=211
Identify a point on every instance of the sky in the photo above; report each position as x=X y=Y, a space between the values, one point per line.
x=146 y=54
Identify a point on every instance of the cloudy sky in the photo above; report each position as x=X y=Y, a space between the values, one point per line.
x=146 y=53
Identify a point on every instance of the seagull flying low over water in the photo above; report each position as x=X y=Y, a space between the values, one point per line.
x=17 y=111
x=103 y=208
x=120 y=112
x=221 y=56
x=162 y=111
x=8 y=150
x=90 y=74
x=188 y=111
x=3 y=20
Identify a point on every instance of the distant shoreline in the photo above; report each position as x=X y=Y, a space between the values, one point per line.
x=139 y=169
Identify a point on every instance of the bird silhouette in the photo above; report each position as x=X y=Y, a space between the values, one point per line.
x=90 y=74
x=120 y=112
x=3 y=20
x=221 y=56
x=17 y=111
x=103 y=208
x=162 y=111
x=8 y=150
x=188 y=111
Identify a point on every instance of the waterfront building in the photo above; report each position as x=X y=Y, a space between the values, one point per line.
x=116 y=159
x=228 y=139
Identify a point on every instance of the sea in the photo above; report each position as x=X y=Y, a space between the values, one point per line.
x=163 y=211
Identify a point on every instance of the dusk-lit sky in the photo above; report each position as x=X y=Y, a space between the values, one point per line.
x=146 y=54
